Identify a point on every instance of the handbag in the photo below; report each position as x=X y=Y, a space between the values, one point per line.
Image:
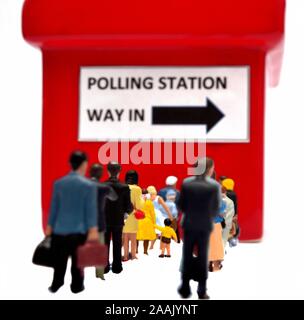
x=139 y=215
x=92 y=254
x=44 y=253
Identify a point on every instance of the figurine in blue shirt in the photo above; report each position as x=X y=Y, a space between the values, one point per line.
x=171 y=182
x=171 y=203
x=72 y=220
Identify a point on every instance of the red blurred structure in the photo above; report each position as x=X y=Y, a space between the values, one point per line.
x=73 y=34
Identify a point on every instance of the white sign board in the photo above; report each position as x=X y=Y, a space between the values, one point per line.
x=164 y=103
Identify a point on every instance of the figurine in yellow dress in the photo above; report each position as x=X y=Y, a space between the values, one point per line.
x=146 y=231
x=130 y=228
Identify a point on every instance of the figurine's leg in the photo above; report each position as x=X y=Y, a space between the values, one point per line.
x=132 y=237
x=146 y=245
x=168 y=250
x=137 y=244
x=152 y=244
x=125 y=240
x=162 y=248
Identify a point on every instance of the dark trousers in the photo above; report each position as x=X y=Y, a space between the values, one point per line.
x=65 y=247
x=174 y=225
x=114 y=232
x=201 y=239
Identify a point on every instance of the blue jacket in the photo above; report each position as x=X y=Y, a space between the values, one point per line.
x=74 y=205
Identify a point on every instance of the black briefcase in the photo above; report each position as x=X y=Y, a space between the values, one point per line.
x=43 y=254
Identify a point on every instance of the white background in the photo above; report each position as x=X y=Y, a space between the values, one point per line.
x=272 y=269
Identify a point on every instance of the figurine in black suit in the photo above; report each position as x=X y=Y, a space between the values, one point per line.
x=115 y=213
x=199 y=201
x=104 y=192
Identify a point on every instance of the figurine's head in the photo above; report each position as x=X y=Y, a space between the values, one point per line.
x=171 y=181
x=152 y=191
x=96 y=171
x=167 y=222
x=228 y=184
x=204 y=167
x=79 y=162
x=114 y=169
x=131 y=177
x=222 y=178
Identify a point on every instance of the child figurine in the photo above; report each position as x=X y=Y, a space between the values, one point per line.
x=166 y=234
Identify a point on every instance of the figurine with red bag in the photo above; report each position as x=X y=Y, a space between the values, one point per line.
x=131 y=224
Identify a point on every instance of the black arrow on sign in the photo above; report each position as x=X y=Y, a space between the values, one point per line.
x=208 y=115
